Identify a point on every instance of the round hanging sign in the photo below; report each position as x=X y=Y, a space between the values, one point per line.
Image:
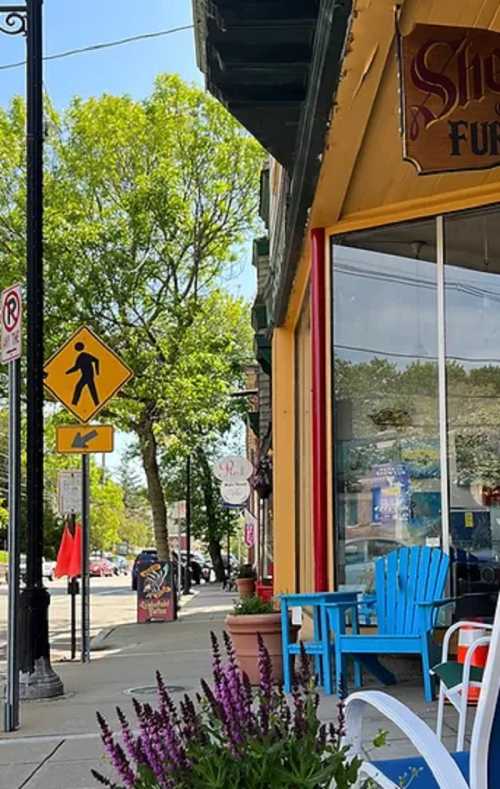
x=233 y=468
x=235 y=492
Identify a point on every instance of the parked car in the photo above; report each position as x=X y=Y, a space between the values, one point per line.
x=120 y=565
x=147 y=555
x=101 y=567
x=360 y=556
x=48 y=568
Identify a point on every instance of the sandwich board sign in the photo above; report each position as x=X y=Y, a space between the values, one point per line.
x=85 y=373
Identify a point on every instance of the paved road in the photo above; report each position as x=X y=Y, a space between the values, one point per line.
x=112 y=603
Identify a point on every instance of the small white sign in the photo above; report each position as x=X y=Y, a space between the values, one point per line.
x=235 y=492
x=233 y=468
x=11 y=316
x=69 y=491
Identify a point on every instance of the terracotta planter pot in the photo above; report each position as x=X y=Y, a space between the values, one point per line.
x=246 y=587
x=243 y=631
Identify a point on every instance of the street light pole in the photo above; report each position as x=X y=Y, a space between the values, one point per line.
x=38 y=680
x=187 y=574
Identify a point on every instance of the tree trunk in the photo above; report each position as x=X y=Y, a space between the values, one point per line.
x=214 y=547
x=149 y=452
x=215 y=552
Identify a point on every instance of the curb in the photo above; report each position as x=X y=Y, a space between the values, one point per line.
x=98 y=641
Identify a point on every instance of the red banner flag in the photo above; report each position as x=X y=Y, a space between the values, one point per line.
x=69 y=560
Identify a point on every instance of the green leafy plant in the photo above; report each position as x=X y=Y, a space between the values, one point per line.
x=249 y=606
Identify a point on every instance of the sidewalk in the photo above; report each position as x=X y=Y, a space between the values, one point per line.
x=58 y=743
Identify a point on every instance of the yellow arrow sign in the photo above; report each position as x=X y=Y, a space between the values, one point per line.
x=84 y=439
x=84 y=374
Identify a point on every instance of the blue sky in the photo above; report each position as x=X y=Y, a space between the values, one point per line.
x=129 y=69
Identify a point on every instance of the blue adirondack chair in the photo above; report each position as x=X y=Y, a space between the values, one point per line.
x=409 y=584
x=435 y=768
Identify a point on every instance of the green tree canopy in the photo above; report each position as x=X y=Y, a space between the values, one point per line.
x=146 y=204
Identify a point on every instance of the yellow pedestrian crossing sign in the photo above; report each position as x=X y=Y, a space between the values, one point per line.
x=84 y=374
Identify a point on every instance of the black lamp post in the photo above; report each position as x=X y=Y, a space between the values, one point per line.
x=38 y=680
x=187 y=574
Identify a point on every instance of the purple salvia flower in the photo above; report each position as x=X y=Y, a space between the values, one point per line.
x=127 y=736
x=282 y=710
x=213 y=702
x=341 y=719
x=321 y=738
x=232 y=725
x=235 y=687
x=299 y=722
x=265 y=685
x=193 y=724
x=332 y=735
x=116 y=754
x=103 y=780
x=166 y=699
x=168 y=743
x=216 y=657
x=305 y=673
x=247 y=695
x=152 y=758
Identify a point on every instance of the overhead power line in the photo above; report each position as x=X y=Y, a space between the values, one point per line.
x=106 y=45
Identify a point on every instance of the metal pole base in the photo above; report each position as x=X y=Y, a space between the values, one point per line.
x=37 y=679
x=42 y=683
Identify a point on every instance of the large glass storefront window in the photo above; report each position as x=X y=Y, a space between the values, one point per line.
x=417 y=397
x=386 y=423
x=472 y=322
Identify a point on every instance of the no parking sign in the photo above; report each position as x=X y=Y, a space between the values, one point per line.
x=11 y=314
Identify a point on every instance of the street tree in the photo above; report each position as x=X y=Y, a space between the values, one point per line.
x=146 y=204
x=211 y=522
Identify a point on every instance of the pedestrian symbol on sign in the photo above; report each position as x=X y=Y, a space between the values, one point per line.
x=85 y=373
x=88 y=367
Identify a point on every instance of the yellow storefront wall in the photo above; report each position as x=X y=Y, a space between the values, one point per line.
x=364 y=182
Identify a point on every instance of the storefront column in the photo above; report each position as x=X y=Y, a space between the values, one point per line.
x=283 y=462
x=319 y=422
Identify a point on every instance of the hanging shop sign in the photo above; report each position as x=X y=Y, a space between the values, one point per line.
x=233 y=468
x=235 y=493
x=250 y=528
x=84 y=374
x=450 y=98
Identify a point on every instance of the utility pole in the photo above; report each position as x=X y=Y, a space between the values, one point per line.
x=187 y=574
x=38 y=680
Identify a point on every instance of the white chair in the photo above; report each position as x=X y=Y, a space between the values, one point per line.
x=435 y=768
x=456 y=678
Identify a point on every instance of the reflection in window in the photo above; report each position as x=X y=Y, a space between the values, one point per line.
x=386 y=430
x=472 y=302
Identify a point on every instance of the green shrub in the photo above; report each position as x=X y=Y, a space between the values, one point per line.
x=252 y=605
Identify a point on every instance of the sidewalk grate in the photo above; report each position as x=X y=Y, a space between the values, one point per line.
x=152 y=690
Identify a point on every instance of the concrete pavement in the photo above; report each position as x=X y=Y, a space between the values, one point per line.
x=58 y=743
